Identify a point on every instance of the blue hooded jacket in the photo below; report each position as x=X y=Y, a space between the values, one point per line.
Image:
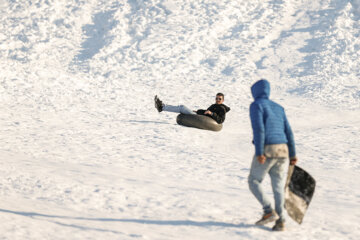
x=268 y=120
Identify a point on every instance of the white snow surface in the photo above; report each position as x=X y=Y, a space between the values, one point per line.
x=85 y=155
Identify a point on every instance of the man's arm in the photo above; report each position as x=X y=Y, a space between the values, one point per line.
x=201 y=112
x=291 y=141
x=257 y=123
x=219 y=117
x=215 y=113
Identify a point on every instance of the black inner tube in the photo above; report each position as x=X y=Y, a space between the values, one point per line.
x=198 y=121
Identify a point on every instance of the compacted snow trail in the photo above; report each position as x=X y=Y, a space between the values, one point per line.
x=85 y=155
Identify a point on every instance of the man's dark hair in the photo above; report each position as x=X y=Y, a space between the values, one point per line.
x=221 y=95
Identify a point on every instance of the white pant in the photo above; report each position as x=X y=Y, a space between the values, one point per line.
x=275 y=164
x=177 y=109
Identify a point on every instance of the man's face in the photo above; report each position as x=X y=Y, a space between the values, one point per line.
x=219 y=99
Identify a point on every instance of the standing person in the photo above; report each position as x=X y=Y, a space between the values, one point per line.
x=274 y=144
x=216 y=111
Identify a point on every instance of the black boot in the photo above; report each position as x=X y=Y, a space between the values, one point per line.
x=267 y=217
x=158 y=104
x=279 y=225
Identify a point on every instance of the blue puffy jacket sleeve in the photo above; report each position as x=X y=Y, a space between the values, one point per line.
x=290 y=137
x=257 y=123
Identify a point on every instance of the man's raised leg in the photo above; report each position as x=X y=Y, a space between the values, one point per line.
x=177 y=109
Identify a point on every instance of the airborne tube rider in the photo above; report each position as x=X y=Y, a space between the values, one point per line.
x=216 y=112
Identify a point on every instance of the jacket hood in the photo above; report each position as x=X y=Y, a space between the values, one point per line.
x=261 y=89
x=226 y=107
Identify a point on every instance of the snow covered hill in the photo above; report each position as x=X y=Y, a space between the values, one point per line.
x=85 y=155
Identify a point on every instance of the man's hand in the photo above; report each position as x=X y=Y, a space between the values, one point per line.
x=261 y=159
x=207 y=112
x=293 y=160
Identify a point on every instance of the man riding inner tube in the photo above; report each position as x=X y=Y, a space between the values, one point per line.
x=216 y=111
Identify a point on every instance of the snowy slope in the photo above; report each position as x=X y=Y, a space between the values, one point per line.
x=85 y=155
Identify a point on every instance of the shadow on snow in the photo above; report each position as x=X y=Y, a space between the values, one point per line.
x=126 y=220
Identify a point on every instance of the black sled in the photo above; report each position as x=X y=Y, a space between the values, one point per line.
x=299 y=190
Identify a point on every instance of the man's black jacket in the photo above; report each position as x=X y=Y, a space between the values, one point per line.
x=218 y=112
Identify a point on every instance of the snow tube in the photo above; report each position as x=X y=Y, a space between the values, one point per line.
x=198 y=121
